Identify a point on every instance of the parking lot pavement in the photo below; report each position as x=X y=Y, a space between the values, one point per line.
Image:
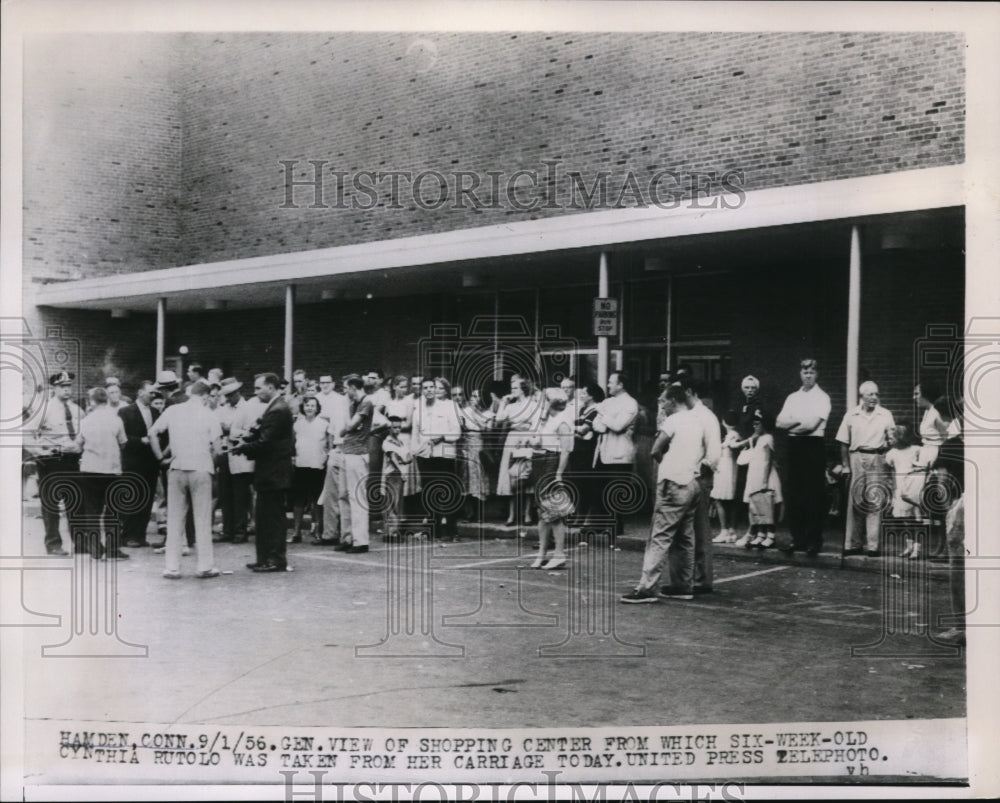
x=466 y=635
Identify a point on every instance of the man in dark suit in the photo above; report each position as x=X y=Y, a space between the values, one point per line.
x=271 y=445
x=138 y=459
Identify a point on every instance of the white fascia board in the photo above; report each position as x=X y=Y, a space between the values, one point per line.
x=904 y=191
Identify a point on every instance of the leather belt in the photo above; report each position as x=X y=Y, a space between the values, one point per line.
x=865 y=450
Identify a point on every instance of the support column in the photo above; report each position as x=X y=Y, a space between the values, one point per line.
x=497 y=367
x=289 y=329
x=853 y=318
x=670 y=323
x=602 y=341
x=161 y=329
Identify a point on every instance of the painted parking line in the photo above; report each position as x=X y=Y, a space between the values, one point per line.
x=751 y=574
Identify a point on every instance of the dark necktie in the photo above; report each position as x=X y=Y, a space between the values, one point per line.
x=70 y=429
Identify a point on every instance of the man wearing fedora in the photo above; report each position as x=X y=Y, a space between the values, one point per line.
x=56 y=449
x=138 y=459
x=235 y=470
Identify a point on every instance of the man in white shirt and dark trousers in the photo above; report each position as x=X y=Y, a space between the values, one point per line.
x=102 y=436
x=803 y=417
x=680 y=448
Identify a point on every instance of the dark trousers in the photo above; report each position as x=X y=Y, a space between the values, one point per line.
x=234 y=499
x=587 y=484
x=376 y=503
x=96 y=507
x=134 y=524
x=805 y=496
x=440 y=471
x=606 y=476
x=64 y=487
x=271 y=526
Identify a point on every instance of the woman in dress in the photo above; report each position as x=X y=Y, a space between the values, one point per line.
x=436 y=432
x=520 y=411
x=310 y=462
x=581 y=461
x=475 y=420
x=552 y=447
x=933 y=432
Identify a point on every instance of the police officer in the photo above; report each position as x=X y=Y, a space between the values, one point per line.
x=56 y=448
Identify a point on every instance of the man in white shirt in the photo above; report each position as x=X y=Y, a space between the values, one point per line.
x=803 y=417
x=680 y=448
x=703 y=573
x=336 y=410
x=194 y=433
x=328 y=396
x=615 y=452
x=102 y=436
x=863 y=444
x=234 y=487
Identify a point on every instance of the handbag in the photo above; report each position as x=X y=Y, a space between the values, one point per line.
x=519 y=472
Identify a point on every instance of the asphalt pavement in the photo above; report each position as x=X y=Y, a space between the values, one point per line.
x=465 y=634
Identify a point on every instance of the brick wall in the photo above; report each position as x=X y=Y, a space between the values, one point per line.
x=101 y=155
x=783 y=108
x=109 y=187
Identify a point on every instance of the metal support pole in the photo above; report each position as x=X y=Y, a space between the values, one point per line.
x=602 y=340
x=161 y=329
x=853 y=318
x=289 y=328
x=670 y=323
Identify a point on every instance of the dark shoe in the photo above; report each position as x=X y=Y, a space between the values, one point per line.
x=813 y=551
x=357 y=550
x=119 y=555
x=849 y=552
x=239 y=539
x=874 y=553
x=254 y=566
x=135 y=544
x=666 y=592
x=702 y=590
x=294 y=539
x=58 y=551
x=635 y=597
x=223 y=539
x=342 y=547
x=267 y=568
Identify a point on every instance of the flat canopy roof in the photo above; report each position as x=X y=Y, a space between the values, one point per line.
x=260 y=281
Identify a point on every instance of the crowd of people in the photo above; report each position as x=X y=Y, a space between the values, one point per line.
x=362 y=455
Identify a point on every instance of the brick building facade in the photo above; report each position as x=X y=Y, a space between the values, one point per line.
x=152 y=162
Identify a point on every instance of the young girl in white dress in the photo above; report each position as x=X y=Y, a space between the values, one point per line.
x=724 y=482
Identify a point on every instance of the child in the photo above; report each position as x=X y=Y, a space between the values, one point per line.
x=394 y=469
x=763 y=489
x=904 y=459
x=724 y=485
